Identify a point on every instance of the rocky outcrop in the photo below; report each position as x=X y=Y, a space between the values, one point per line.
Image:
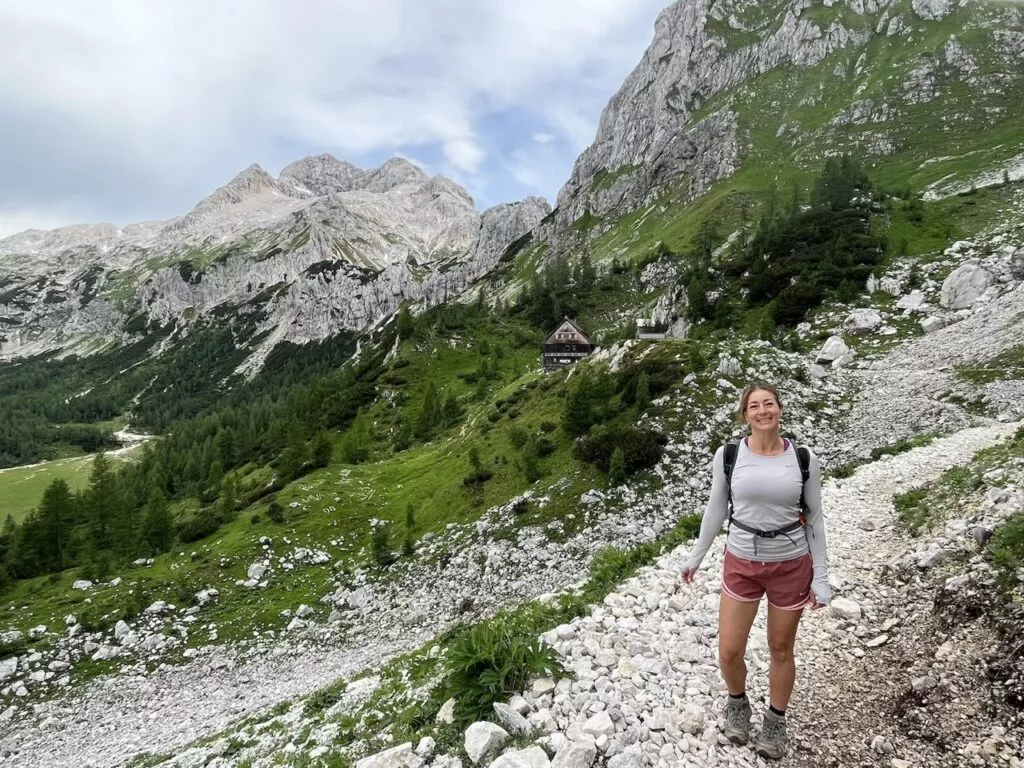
x=648 y=139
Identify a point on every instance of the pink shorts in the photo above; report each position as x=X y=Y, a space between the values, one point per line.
x=787 y=582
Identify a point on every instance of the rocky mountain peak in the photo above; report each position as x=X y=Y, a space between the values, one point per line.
x=320 y=175
x=251 y=188
x=393 y=173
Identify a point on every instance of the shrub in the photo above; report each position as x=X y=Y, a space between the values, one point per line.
x=913 y=510
x=380 y=543
x=544 y=446
x=1006 y=547
x=518 y=437
x=641 y=448
x=275 y=512
x=548 y=426
x=198 y=526
x=794 y=301
x=493 y=660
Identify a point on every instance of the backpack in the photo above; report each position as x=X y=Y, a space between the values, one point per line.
x=803 y=458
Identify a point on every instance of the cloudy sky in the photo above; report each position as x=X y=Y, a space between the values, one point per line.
x=127 y=110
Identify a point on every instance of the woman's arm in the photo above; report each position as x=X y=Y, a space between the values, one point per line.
x=816 y=538
x=715 y=513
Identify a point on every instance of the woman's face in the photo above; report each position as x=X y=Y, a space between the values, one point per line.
x=763 y=411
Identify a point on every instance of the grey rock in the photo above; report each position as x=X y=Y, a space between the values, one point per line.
x=575 y=754
x=965 y=285
x=512 y=721
x=862 y=321
x=401 y=756
x=483 y=739
x=833 y=349
x=531 y=757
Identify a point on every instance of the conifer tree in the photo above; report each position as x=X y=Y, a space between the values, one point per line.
x=380 y=543
x=226 y=446
x=579 y=410
x=430 y=413
x=643 y=391
x=228 y=498
x=56 y=519
x=295 y=453
x=159 y=524
x=617 y=472
x=355 y=447
x=404 y=324
x=101 y=499
x=322 y=449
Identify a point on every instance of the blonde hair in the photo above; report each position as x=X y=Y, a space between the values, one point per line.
x=745 y=397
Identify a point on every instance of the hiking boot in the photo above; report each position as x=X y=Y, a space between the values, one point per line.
x=737 y=720
x=771 y=742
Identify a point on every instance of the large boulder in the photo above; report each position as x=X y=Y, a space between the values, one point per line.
x=965 y=285
x=913 y=300
x=833 y=349
x=482 y=739
x=863 y=321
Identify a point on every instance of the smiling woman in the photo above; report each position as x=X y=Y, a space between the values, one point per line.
x=770 y=491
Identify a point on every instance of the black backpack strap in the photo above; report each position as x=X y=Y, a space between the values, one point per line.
x=729 y=452
x=803 y=458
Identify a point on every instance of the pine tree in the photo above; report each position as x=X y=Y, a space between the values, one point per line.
x=579 y=411
x=100 y=500
x=159 y=524
x=355 y=447
x=617 y=472
x=295 y=453
x=451 y=411
x=430 y=413
x=322 y=449
x=410 y=518
x=531 y=462
x=226 y=446
x=587 y=273
x=404 y=324
x=215 y=475
x=643 y=391
x=56 y=519
x=228 y=500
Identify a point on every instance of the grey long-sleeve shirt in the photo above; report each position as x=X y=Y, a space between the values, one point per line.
x=766 y=497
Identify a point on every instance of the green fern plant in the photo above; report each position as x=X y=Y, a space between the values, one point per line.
x=493 y=660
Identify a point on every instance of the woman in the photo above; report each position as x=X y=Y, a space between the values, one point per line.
x=774 y=546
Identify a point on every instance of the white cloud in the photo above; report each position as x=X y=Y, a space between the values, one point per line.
x=543 y=138
x=464 y=154
x=191 y=88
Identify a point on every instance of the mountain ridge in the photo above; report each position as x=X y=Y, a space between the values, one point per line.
x=298 y=249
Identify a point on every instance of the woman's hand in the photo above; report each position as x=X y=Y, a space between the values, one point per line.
x=688 y=573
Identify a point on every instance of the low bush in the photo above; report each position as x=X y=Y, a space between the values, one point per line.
x=913 y=510
x=324 y=698
x=641 y=448
x=198 y=526
x=1006 y=548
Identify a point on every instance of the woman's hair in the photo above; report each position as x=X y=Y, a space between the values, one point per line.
x=751 y=389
